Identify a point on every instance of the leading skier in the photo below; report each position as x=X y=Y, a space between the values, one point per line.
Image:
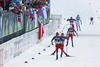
x=62 y=45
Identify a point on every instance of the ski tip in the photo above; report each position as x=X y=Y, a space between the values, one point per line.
x=70 y=56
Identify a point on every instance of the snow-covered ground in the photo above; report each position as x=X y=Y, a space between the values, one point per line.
x=87 y=46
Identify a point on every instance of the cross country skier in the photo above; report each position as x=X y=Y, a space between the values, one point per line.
x=71 y=20
x=77 y=22
x=91 y=20
x=62 y=46
x=57 y=39
x=58 y=44
x=70 y=34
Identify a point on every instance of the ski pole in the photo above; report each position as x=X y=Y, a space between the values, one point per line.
x=47 y=46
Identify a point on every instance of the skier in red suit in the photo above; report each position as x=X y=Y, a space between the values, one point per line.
x=70 y=33
x=60 y=45
x=71 y=20
x=57 y=39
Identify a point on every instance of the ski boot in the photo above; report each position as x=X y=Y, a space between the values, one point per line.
x=57 y=56
x=67 y=43
x=77 y=29
x=72 y=45
x=61 y=54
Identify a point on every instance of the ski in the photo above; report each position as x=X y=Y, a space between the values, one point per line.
x=70 y=56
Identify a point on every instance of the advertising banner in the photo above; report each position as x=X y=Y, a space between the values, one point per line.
x=1 y=56
x=50 y=28
x=16 y=47
x=10 y=24
x=11 y=48
x=5 y=53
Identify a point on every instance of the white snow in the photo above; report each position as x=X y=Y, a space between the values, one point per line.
x=87 y=46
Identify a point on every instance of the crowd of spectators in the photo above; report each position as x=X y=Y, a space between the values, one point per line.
x=18 y=7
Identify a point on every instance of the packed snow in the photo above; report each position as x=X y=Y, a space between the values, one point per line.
x=87 y=46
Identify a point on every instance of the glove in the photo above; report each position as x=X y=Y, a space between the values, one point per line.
x=52 y=43
x=76 y=33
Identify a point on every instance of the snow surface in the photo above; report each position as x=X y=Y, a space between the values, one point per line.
x=87 y=46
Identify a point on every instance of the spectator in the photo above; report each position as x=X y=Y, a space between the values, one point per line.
x=14 y=1
x=7 y=5
x=1 y=9
x=33 y=4
x=11 y=7
x=1 y=3
x=15 y=10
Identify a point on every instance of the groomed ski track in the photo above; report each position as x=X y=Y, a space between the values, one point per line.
x=86 y=50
